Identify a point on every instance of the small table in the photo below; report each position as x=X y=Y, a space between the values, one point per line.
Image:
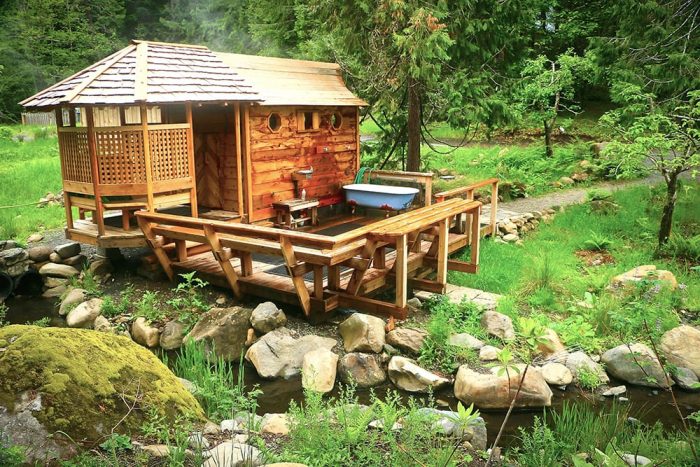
x=286 y=209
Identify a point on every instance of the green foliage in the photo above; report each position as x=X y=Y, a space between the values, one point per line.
x=597 y=242
x=188 y=301
x=116 y=443
x=86 y=280
x=334 y=432
x=150 y=307
x=220 y=391
x=112 y=307
x=577 y=332
x=3 y=315
x=10 y=456
x=588 y=378
x=683 y=248
x=578 y=428
x=42 y=323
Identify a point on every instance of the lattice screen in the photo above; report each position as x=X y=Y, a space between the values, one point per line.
x=75 y=158
x=120 y=157
x=169 y=158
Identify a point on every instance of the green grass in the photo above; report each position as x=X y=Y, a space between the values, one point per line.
x=545 y=278
x=28 y=170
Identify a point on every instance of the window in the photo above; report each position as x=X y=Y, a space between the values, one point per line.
x=336 y=120
x=308 y=120
x=274 y=122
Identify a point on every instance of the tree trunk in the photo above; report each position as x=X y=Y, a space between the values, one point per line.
x=413 y=159
x=667 y=213
x=548 y=138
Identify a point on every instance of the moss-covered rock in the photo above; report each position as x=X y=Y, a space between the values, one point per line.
x=83 y=382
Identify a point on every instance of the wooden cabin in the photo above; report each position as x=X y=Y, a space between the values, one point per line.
x=234 y=166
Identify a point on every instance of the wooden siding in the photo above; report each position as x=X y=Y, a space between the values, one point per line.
x=275 y=156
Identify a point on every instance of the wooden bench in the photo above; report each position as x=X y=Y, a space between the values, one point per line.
x=285 y=212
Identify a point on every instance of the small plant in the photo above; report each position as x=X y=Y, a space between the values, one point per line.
x=44 y=322
x=683 y=248
x=112 y=307
x=149 y=307
x=87 y=282
x=188 y=301
x=598 y=195
x=588 y=378
x=116 y=443
x=10 y=456
x=597 y=242
x=3 y=315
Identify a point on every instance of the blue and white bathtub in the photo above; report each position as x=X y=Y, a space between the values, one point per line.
x=394 y=198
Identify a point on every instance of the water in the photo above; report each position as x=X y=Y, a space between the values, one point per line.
x=276 y=395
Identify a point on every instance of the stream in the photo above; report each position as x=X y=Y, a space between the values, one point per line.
x=645 y=404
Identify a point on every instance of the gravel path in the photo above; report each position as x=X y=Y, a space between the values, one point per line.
x=568 y=197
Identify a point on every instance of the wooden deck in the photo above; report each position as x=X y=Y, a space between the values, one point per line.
x=339 y=264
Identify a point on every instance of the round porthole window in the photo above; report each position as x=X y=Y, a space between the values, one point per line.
x=336 y=120
x=274 y=121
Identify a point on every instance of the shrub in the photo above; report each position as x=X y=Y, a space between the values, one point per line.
x=112 y=307
x=597 y=242
x=149 y=307
x=683 y=248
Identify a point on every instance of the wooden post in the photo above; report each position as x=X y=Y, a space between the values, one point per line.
x=246 y=263
x=494 y=207
x=379 y=260
x=248 y=165
x=357 y=139
x=401 y=269
x=95 y=172
x=443 y=239
x=223 y=257
x=475 y=237
x=194 y=210
x=71 y=117
x=239 y=155
x=429 y=192
x=297 y=279
x=318 y=281
x=333 y=277
x=66 y=195
x=157 y=246
x=359 y=273
x=147 y=157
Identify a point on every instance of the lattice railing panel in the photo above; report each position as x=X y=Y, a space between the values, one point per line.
x=120 y=156
x=169 y=155
x=75 y=158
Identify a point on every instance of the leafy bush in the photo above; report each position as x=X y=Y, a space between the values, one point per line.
x=597 y=242
x=683 y=248
x=576 y=332
x=112 y=307
x=149 y=307
x=6 y=133
x=188 y=300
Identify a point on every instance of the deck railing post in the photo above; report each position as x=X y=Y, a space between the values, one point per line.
x=401 y=267
x=66 y=195
x=147 y=157
x=95 y=171
x=190 y=161
x=442 y=254
x=494 y=207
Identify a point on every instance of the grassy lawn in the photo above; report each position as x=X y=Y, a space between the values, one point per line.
x=29 y=170
x=545 y=278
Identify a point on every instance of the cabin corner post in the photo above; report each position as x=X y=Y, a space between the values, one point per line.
x=147 y=156
x=94 y=170
x=248 y=169
x=357 y=139
x=239 y=157
x=66 y=195
x=190 y=160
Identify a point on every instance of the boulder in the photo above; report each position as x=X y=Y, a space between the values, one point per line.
x=77 y=261
x=58 y=270
x=446 y=422
x=36 y=237
x=406 y=375
x=40 y=253
x=635 y=460
x=55 y=258
x=566 y=181
x=551 y=344
x=362 y=333
x=635 y=364
x=681 y=346
x=511 y=237
x=101 y=267
x=8 y=244
x=84 y=315
x=12 y=256
x=464 y=340
x=67 y=250
x=102 y=324
x=267 y=317
x=498 y=324
x=557 y=374
x=73 y=298
x=158 y=451
x=278 y=354
x=364 y=370
x=491 y=391
x=274 y=424
x=224 y=332
x=232 y=454
x=646 y=272
x=318 y=370
x=73 y=381
x=685 y=379
x=614 y=391
x=406 y=339
x=488 y=353
x=197 y=441
x=578 y=361
x=55 y=292
x=172 y=336
x=143 y=333
x=52 y=282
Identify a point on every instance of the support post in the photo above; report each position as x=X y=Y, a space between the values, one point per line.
x=401 y=269
x=248 y=166
x=223 y=257
x=443 y=238
x=239 y=156
x=95 y=171
x=297 y=279
x=318 y=281
x=66 y=195
x=475 y=236
x=359 y=273
x=334 y=277
x=147 y=157
x=194 y=210
x=156 y=246
x=494 y=207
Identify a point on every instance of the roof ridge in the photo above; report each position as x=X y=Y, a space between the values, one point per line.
x=170 y=44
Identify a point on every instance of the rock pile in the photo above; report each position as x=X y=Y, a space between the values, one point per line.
x=510 y=229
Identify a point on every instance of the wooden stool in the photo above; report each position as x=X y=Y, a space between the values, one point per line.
x=286 y=209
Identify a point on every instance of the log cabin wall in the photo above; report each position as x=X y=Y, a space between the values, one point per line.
x=276 y=155
x=215 y=156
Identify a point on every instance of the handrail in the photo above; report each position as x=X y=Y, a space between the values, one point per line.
x=469 y=191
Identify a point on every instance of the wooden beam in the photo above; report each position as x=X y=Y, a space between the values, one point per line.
x=443 y=238
x=358 y=274
x=379 y=259
x=147 y=156
x=239 y=156
x=101 y=69
x=248 y=166
x=223 y=258
x=95 y=171
x=318 y=281
x=370 y=305
x=333 y=277
x=246 y=263
x=299 y=283
x=141 y=74
x=66 y=199
x=358 y=162
x=401 y=270
x=156 y=246
x=475 y=235
x=453 y=265
x=194 y=209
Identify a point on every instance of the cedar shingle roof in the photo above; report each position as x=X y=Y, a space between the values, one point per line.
x=149 y=72
x=158 y=73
